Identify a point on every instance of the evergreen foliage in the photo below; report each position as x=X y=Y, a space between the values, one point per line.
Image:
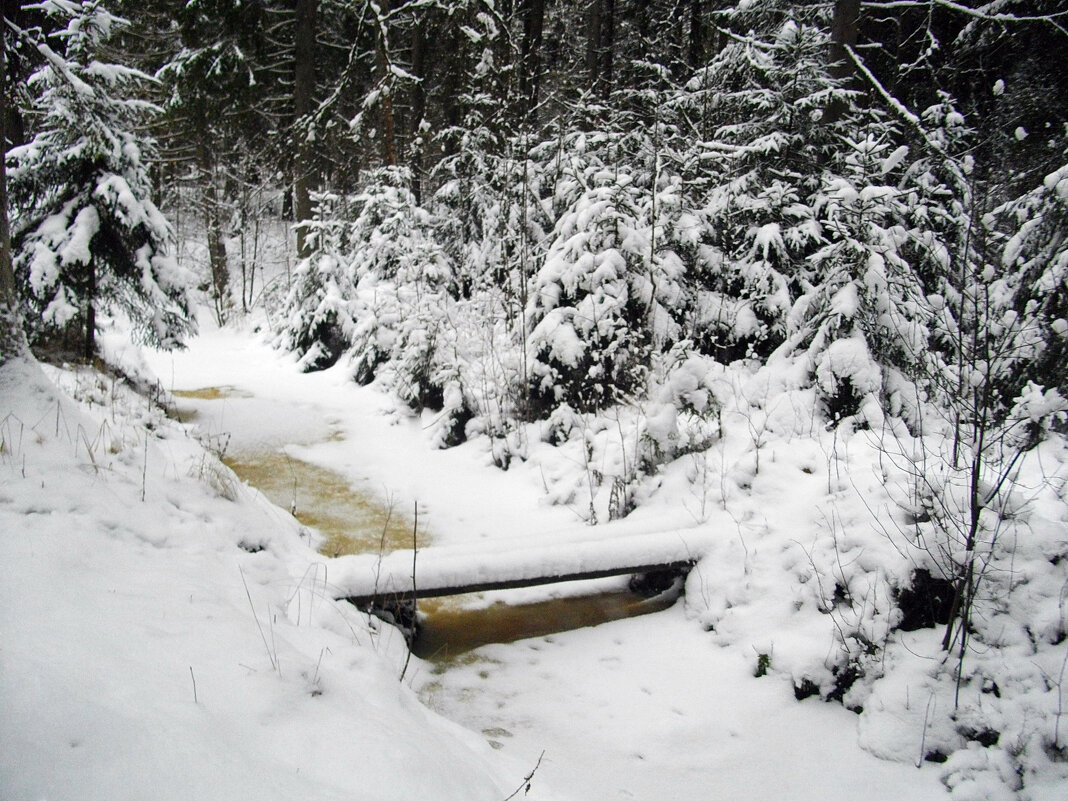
x=85 y=233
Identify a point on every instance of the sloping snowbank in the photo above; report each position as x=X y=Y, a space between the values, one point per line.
x=155 y=643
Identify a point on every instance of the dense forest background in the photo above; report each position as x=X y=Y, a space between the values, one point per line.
x=511 y=211
x=608 y=188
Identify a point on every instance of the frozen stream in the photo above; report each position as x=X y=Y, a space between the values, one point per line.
x=358 y=522
x=645 y=707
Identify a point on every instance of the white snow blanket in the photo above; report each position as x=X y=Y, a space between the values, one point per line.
x=366 y=575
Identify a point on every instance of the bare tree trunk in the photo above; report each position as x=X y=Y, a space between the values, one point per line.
x=303 y=105
x=608 y=46
x=696 y=54
x=844 y=29
x=213 y=222
x=530 y=69
x=12 y=339
x=385 y=82
x=593 y=43
x=599 y=45
x=419 y=61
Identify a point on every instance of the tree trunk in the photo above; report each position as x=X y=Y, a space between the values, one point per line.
x=696 y=54
x=90 y=315
x=213 y=222
x=608 y=46
x=420 y=45
x=600 y=43
x=303 y=105
x=12 y=339
x=385 y=82
x=593 y=43
x=530 y=68
x=844 y=28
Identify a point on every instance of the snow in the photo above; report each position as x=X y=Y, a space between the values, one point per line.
x=132 y=662
x=503 y=560
x=847 y=358
x=113 y=608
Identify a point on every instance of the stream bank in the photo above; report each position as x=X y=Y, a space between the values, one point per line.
x=351 y=521
x=642 y=708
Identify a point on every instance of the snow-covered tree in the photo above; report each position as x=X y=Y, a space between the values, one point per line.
x=604 y=294
x=473 y=177
x=1035 y=255
x=319 y=312
x=12 y=339
x=761 y=102
x=862 y=312
x=86 y=234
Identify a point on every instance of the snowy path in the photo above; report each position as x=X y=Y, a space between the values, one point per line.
x=648 y=708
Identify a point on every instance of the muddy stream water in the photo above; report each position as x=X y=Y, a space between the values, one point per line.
x=351 y=521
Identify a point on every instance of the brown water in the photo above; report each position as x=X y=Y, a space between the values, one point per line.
x=211 y=393
x=352 y=521
x=188 y=415
x=450 y=631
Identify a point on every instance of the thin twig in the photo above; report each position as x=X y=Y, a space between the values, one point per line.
x=525 y=785
x=415 y=602
x=252 y=606
x=923 y=735
x=144 y=470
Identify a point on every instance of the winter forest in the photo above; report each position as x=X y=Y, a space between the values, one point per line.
x=749 y=262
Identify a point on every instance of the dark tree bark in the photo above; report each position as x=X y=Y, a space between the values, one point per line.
x=593 y=42
x=696 y=49
x=600 y=45
x=530 y=69
x=12 y=339
x=420 y=48
x=213 y=222
x=385 y=82
x=303 y=104
x=844 y=28
x=90 y=315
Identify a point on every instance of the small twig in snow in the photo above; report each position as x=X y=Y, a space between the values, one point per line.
x=525 y=785
x=415 y=602
x=923 y=736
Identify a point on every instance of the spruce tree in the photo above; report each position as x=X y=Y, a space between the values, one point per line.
x=87 y=237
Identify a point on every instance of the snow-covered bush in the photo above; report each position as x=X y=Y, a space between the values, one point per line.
x=1034 y=258
x=380 y=291
x=320 y=312
x=402 y=281
x=863 y=310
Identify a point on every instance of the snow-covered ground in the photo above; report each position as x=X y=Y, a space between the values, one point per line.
x=147 y=653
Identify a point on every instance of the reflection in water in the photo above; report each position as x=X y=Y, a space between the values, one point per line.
x=449 y=630
x=349 y=521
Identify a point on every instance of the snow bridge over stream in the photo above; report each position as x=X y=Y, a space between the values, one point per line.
x=369 y=580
